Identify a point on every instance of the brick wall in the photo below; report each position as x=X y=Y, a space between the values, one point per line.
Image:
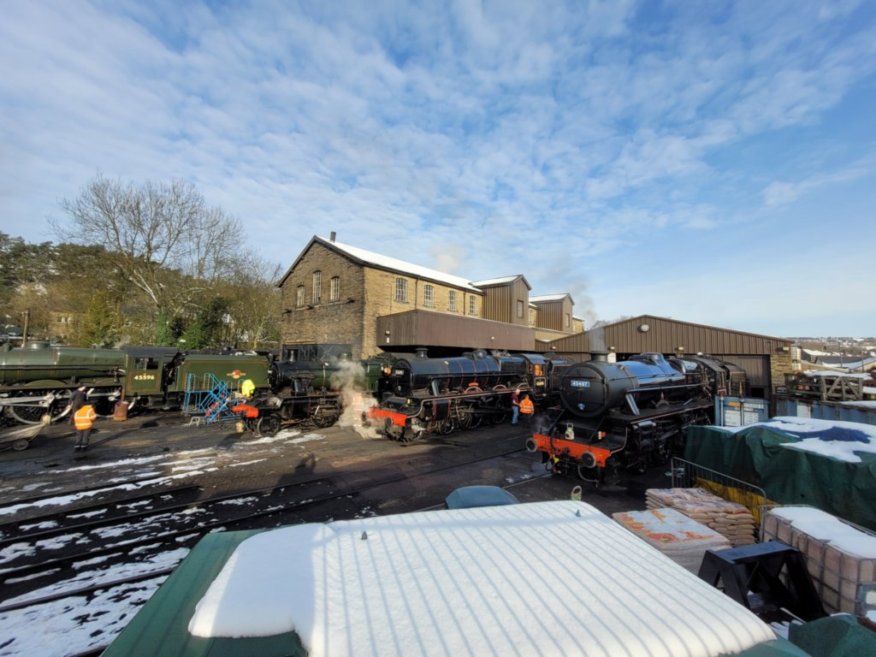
x=373 y=293
x=328 y=321
x=781 y=363
x=380 y=299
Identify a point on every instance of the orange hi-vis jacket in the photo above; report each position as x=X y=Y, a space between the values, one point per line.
x=526 y=406
x=84 y=417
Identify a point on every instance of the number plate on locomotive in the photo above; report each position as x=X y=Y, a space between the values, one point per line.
x=580 y=383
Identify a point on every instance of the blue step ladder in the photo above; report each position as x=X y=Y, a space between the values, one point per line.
x=207 y=400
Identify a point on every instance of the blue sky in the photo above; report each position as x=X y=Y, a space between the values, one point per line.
x=712 y=162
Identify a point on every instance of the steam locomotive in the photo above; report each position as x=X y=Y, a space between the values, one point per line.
x=39 y=380
x=624 y=416
x=422 y=395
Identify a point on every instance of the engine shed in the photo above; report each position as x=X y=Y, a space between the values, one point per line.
x=765 y=359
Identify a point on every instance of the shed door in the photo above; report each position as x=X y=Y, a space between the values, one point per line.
x=757 y=369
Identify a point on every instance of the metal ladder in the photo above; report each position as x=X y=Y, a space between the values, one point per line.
x=206 y=400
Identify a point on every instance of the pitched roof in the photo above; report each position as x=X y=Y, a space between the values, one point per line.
x=504 y=280
x=551 y=297
x=364 y=257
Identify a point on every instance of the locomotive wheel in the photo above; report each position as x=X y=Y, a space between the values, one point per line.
x=20 y=444
x=590 y=474
x=33 y=414
x=445 y=427
x=323 y=420
x=269 y=425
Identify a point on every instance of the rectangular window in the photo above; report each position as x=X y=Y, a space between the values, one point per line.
x=451 y=301
x=429 y=296
x=401 y=290
x=568 y=320
x=317 y=286
x=335 y=289
x=519 y=309
x=472 y=306
x=299 y=296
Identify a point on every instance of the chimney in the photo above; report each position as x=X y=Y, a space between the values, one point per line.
x=332 y=236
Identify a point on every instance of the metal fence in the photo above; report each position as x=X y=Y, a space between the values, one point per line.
x=686 y=474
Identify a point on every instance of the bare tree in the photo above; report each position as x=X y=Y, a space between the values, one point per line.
x=153 y=233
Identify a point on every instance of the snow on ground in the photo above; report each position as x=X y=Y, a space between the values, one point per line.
x=72 y=625
x=77 y=625
x=831 y=438
x=181 y=465
x=472 y=582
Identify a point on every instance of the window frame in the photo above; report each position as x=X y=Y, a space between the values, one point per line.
x=335 y=288
x=473 y=306
x=520 y=314
x=451 y=301
x=299 y=296
x=428 y=296
x=401 y=290
x=316 y=296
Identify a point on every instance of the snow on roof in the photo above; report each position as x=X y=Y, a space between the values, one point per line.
x=472 y=582
x=400 y=265
x=835 y=373
x=549 y=297
x=496 y=281
x=832 y=438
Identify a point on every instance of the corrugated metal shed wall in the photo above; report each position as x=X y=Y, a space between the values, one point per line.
x=550 y=314
x=520 y=293
x=497 y=303
x=500 y=302
x=666 y=336
x=417 y=328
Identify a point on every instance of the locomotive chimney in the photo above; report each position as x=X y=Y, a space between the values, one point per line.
x=421 y=352
x=332 y=236
x=600 y=356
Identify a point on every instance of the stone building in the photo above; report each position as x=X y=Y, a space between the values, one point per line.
x=340 y=299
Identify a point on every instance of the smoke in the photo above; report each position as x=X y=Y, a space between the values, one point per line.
x=597 y=340
x=350 y=380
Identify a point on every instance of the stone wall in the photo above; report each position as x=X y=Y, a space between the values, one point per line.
x=336 y=322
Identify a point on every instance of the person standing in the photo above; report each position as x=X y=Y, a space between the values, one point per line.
x=77 y=400
x=84 y=421
x=515 y=405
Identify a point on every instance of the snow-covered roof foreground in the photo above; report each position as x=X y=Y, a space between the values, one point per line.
x=833 y=438
x=477 y=581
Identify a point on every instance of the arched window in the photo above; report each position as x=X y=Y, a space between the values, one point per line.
x=299 y=296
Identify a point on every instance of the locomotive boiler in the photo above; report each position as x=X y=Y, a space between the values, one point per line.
x=615 y=417
x=420 y=395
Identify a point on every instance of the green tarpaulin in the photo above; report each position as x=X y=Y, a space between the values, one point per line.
x=788 y=476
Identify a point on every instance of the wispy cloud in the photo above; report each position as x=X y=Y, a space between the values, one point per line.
x=556 y=139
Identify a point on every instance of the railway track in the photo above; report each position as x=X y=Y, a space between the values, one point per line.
x=64 y=579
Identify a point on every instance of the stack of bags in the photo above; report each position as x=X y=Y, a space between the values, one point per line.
x=680 y=538
x=728 y=518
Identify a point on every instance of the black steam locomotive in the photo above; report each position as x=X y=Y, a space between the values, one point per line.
x=421 y=395
x=616 y=417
